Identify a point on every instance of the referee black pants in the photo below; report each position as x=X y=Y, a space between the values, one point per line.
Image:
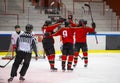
x=20 y=56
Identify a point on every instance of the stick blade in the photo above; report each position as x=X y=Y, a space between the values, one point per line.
x=86 y=5
x=1 y=66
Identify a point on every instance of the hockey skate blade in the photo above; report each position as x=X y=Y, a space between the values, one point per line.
x=63 y=70
x=21 y=81
x=9 y=81
x=69 y=70
x=53 y=70
x=1 y=66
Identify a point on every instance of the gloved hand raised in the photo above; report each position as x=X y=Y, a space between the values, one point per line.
x=93 y=24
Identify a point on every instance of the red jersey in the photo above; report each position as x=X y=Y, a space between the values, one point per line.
x=66 y=34
x=49 y=29
x=80 y=33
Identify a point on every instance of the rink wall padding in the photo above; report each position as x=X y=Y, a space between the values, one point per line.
x=106 y=43
x=4 y=42
x=113 y=42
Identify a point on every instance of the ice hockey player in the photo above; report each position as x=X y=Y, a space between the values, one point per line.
x=80 y=42
x=15 y=35
x=25 y=43
x=48 y=42
x=67 y=39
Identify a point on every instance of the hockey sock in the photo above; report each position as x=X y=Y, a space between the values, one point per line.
x=70 y=59
x=76 y=58
x=51 y=59
x=64 y=57
x=85 y=54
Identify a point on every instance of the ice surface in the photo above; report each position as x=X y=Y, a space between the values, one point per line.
x=102 y=68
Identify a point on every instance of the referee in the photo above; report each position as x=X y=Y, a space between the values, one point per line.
x=24 y=46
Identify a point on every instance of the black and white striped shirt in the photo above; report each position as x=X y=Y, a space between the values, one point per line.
x=26 y=43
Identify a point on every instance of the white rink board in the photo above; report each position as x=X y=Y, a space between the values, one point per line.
x=92 y=45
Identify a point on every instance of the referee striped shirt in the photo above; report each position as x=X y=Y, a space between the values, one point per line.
x=26 y=42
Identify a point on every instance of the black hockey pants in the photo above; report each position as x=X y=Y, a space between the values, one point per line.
x=20 y=56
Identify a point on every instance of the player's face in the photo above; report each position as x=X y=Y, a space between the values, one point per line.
x=44 y=26
x=17 y=29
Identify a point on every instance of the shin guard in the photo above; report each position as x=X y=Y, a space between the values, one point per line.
x=76 y=58
x=51 y=59
x=64 y=57
x=85 y=54
x=70 y=59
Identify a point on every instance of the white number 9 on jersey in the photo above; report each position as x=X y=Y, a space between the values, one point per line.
x=65 y=34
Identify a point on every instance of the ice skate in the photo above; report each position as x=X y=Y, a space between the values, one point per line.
x=85 y=65
x=21 y=78
x=53 y=69
x=10 y=79
x=74 y=65
x=70 y=69
x=63 y=69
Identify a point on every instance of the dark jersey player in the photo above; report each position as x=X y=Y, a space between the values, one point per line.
x=48 y=42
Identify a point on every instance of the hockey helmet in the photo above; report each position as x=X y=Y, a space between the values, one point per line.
x=29 y=27
x=17 y=26
x=82 y=21
x=48 y=22
x=67 y=23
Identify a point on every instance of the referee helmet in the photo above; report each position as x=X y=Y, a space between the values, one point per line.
x=29 y=27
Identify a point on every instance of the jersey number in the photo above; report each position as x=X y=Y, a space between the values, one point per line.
x=65 y=34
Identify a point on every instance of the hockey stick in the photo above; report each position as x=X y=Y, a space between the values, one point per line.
x=83 y=9
x=81 y=57
x=28 y=14
x=90 y=11
x=3 y=66
x=91 y=19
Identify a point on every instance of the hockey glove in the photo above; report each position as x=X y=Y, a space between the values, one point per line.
x=61 y=20
x=93 y=25
x=14 y=46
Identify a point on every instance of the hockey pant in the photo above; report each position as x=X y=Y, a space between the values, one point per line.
x=19 y=58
